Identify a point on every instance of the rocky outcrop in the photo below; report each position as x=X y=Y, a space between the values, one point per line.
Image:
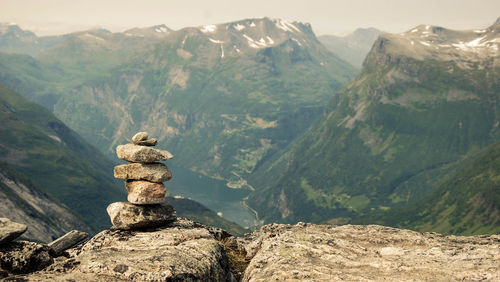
x=188 y=251
x=24 y=257
x=183 y=250
x=363 y=253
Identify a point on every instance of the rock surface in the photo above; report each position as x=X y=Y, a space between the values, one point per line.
x=364 y=253
x=141 y=154
x=125 y=215
x=24 y=257
x=184 y=251
x=145 y=192
x=10 y=230
x=155 y=172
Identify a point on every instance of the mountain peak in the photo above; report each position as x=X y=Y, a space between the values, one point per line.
x=428 y=41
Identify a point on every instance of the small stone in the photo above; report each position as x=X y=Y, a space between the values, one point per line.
x=148 y=142
x=140 y=136
x=145 y=192
x=67 y=241
x=127 y=216
x=155 y=172
x=10 y=230
x=141 y=154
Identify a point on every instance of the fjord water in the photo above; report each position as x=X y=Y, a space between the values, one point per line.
x=212 y=193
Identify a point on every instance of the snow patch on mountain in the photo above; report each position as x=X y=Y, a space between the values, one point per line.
x=208 y=28
x=286 y=26
x=161 y=29
x=239 y=27
x=216 y=41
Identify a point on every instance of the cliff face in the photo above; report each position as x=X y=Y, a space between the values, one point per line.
x=185 y=250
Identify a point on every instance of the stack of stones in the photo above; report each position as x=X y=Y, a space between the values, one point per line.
x=144 y=175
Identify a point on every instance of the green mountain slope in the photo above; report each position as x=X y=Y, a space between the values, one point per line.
x=22 y=201
x=424 y=100
x=223 y=97
x=353 y=47
x=39 y=146
x=467 y=203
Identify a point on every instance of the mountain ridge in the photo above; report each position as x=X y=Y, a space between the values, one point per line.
x=411 y=116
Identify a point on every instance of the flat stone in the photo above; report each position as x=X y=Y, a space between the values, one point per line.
x=145 y=192
x=155 y=172
x=67 y=241
x=140 y=136
x=147 y=142
x=141 y=154
x=10 y=230
x=127 y=216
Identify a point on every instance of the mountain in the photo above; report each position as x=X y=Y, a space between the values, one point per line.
x=13 y=39
x=223 y=97
x=88 y=54
x=425 y=100
x=353 y=47
x=467 y=203
x=24 y=202
x=40 y=148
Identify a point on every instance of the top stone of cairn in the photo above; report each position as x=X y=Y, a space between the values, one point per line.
x=142 y=138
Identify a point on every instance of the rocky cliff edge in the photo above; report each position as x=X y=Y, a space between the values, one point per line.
x=188 y=251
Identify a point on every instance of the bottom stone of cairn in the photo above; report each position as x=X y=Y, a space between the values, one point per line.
x=127 y=216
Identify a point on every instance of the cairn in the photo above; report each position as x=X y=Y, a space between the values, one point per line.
x=144 y=176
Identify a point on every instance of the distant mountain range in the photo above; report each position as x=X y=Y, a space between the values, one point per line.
x=425 y=100
x=259 y=103
x=13 y=39
x=223 y=97
x=353 y=47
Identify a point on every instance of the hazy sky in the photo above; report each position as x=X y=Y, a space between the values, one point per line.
x=326 y=16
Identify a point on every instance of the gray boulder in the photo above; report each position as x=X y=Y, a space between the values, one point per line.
x=127 y=216
x=155 y=172
x=141 y=154
x=10 y=230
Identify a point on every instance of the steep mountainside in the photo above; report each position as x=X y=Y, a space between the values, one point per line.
x=224 y=97
x=467 y=203
x=23 y=202
x=15 y=40
x=39 y=146
x=425 y=100
x=353 y=47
